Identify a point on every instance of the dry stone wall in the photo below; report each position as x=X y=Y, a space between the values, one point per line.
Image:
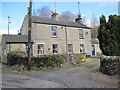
x=110 y=65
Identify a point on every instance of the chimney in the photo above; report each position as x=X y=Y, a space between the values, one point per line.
x=54 y=16
x=79 y=19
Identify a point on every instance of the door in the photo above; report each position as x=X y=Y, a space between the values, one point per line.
x=93 y=49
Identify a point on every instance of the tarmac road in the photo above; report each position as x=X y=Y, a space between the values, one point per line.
x=76 y=77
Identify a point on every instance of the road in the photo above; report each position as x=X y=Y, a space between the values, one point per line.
x=75 y=77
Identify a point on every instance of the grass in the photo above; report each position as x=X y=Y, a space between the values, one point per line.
x=86 y=61
x=97 y=72
x=84 y=68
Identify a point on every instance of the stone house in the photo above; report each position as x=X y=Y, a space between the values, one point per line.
x=51 y=36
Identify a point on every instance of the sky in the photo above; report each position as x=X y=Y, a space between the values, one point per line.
x=17 y=11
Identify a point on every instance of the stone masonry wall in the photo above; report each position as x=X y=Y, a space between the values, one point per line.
x=110 y=65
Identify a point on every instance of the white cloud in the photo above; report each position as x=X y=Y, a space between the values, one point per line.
x=11 y=31
x=88 y=23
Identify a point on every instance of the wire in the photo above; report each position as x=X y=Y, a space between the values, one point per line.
x=33 y=9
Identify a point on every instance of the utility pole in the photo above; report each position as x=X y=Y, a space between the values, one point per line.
x=8 y=23
x=29 y=34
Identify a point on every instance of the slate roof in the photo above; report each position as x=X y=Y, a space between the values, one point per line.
x=15 y=38
x=37 y=19
x=94 y=41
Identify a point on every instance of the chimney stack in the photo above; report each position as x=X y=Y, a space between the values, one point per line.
x=54 y=16
x=79 y=19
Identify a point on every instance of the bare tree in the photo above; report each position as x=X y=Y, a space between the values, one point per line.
x=84 y=21
x=94 y=22
x=94 y=27
x=44 y=12
x=67 y=16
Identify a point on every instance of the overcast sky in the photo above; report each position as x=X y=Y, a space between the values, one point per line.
x=17 y=11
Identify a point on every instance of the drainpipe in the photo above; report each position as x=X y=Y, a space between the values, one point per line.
x=66 y=43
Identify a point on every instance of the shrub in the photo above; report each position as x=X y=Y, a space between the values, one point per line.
x=12 y=58
x=43 y=61
x=50 y=63
x=59 y=59
x=81 y=56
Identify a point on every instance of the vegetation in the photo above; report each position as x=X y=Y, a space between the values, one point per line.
x=43 y=12
x=18 y=58
x=81 y=56
x=108 y=35
x=67 y=16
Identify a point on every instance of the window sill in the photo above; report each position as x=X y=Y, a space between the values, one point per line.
x=54 y=37
x=81 y=38
x=82 y=53
x=40 y=55
x=55 y=53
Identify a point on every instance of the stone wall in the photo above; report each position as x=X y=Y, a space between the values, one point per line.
x=110 y=65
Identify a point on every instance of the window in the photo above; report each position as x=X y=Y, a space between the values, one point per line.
x=70 y=48
x=40 y=49
x=54 y=31
x=55 y=48
x=81 y=34
x=82 y=48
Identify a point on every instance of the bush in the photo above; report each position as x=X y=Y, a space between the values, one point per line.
x=59 y=59
x=50 y=63
x=12 y=58
x=81 y=56
x=43 y=61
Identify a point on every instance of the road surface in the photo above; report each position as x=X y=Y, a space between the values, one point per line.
x=75 y=77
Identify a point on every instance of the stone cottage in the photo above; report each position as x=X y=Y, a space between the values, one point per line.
x=52 y=36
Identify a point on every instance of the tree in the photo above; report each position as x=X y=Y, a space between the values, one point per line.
x=67 y=16
x=108 y=35
x=44 y=12
x=84 y=21
x=94 y=22
x=94 y=27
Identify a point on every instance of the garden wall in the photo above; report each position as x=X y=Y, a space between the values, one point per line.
x=110 y=65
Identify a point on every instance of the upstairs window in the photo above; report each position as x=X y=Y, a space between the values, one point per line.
x=82 y=48
x=81 y=34
x=54 y=31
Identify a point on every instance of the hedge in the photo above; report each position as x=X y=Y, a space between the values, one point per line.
x=42 y=61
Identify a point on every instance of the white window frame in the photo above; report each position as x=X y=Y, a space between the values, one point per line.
x=54 y=49
x=81 y=34
x=70 y=48
x=41 y=49
x=82 y=49
x=54 y=30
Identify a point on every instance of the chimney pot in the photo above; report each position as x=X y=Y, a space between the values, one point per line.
x=79 y=19
x=55 y=16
